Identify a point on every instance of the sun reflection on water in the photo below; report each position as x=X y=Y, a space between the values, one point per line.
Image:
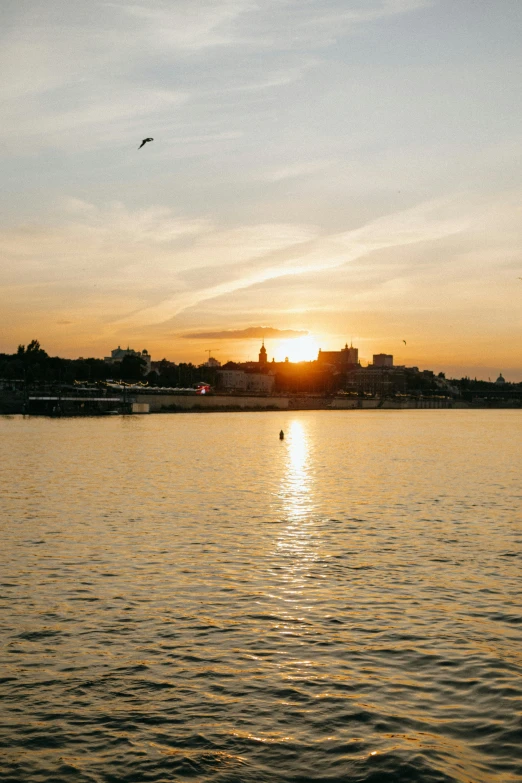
x=296 y=481
x=296 y=540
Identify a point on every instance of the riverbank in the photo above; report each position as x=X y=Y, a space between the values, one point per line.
x=149 y=403
x=15 y=402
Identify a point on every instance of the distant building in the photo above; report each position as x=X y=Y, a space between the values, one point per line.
x=260 y=382
x=234 y=379
x=118 y=354
x=263 y=360
x=500 y=380
x=380 y=380
x=346 y=357
x=382 y=360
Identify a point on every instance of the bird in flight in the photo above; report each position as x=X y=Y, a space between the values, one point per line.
x=145 y=141
x=404 y=341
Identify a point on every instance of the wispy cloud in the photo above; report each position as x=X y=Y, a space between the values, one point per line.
x=282 y=130
x=294 y=170
x=419 y=224
x=108 y=245
x=187 y=27
x=245 y=334
x=88 y=111
x=123 y=62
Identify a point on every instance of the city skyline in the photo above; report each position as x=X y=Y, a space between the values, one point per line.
x=335 y=170
x=304 y=351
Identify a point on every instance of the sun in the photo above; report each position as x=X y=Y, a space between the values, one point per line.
x=297 y=349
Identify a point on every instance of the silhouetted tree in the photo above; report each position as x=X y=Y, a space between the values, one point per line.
x=132 y=368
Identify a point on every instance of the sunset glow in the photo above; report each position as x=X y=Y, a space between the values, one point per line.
x=260 y=390
x=336 y=168
x=300 y=349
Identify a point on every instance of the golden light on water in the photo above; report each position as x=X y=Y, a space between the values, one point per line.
x=297 y=489
x=296 y=492
x=301 y=578
x=296 y=546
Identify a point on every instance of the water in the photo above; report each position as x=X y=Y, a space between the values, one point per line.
x=185 y=597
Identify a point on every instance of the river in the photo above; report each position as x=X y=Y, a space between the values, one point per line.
x=185 y=597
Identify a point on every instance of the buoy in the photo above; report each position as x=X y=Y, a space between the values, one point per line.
x=281 y=435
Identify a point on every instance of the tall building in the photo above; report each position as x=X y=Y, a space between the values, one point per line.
x=382 y=360
x=263 y=360
x=346 y=357
x=376 y=379
x=351 y=354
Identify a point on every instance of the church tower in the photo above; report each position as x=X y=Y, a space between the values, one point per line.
x=262 y=355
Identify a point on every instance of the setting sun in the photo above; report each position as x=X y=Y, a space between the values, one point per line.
x=298 y=349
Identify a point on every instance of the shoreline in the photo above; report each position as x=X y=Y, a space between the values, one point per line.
x=141 y=404
x=257 y=409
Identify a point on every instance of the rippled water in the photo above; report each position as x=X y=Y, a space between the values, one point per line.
x=185 y=597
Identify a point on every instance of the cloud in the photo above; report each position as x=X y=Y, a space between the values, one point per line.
x=109 y=244
x=294 y=170
x=187 y=27
x=259 y=332
x=86 y=80
x=419 y=224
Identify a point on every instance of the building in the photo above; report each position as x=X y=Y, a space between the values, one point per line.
x=234 y=379
x=346 y=357
x=262 y=383
x=500 y=380
x=263 y=359
x=118 y=354
x=376 y=380
x=382 y=360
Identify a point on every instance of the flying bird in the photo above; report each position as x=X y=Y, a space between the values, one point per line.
x=404 y=341
x=145 y=141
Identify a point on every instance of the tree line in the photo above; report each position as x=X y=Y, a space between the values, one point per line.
x=31 y=364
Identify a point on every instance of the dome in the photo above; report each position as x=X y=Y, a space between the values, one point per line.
x=500 y=379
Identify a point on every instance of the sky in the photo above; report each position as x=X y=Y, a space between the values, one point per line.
x=322 y=171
